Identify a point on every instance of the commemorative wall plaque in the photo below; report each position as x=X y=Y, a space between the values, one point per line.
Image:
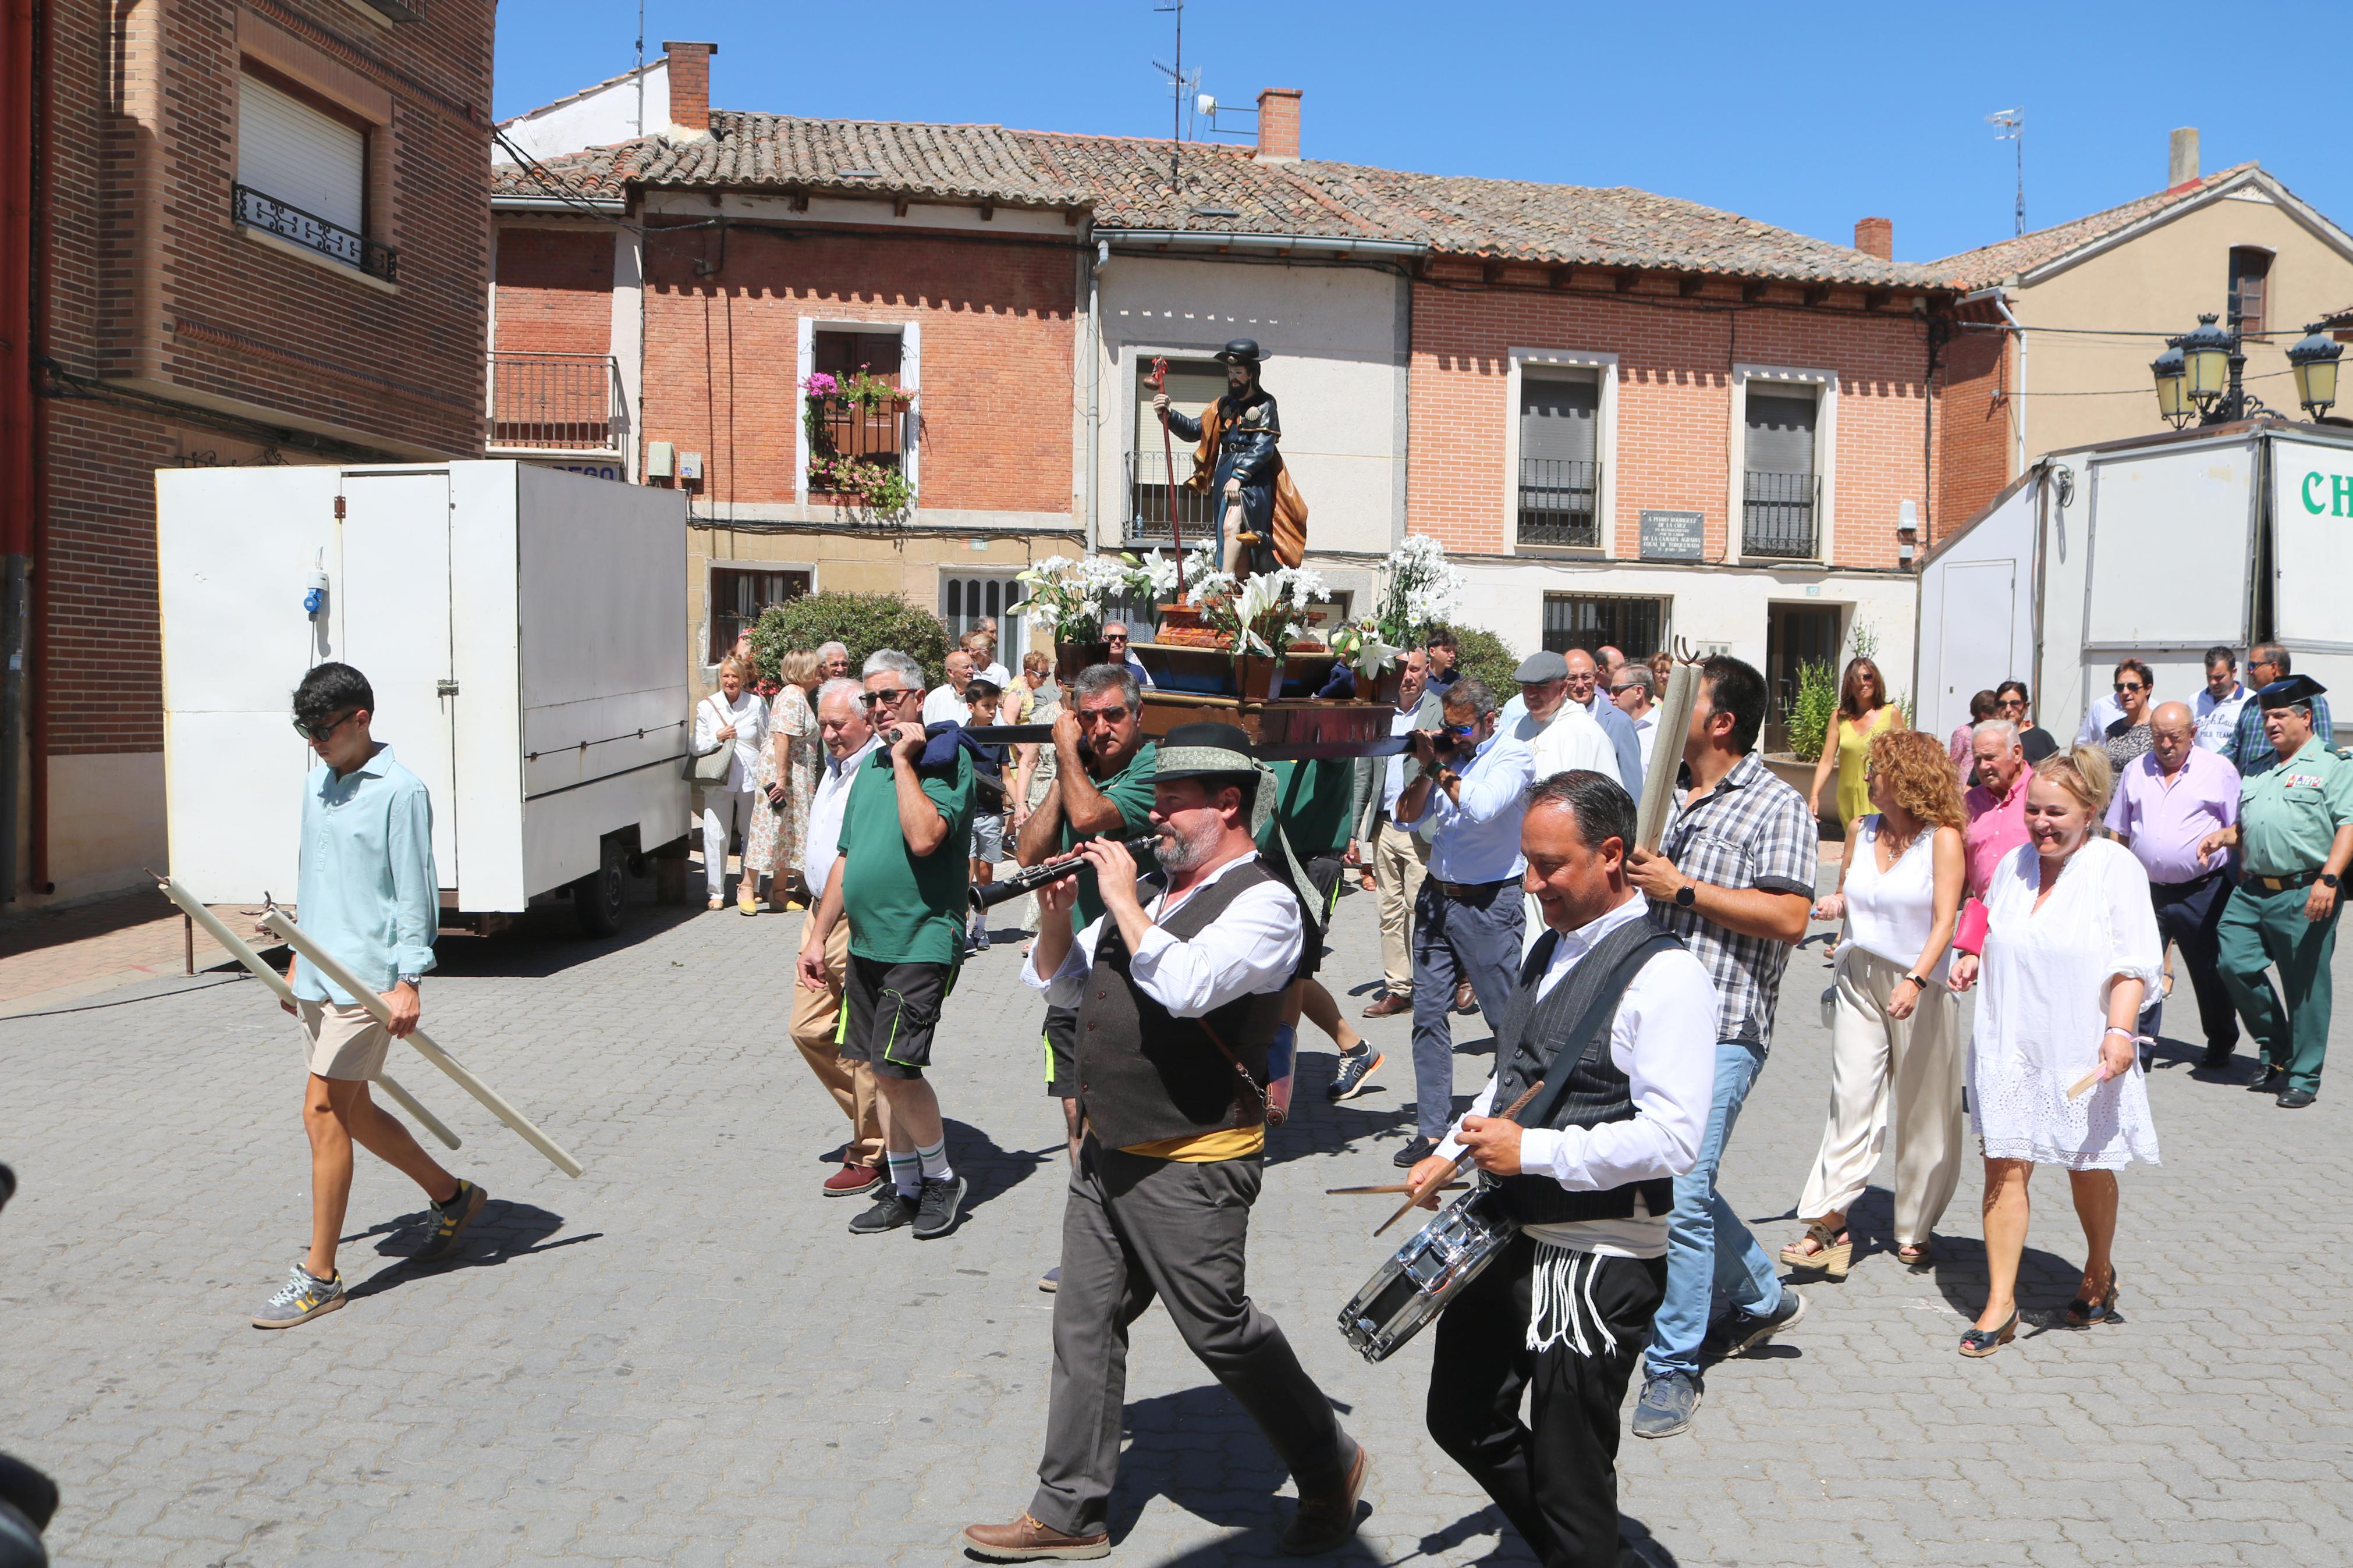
x=1673 y=535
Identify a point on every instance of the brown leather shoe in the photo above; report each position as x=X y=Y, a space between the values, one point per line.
x=1466 y=1001
x=1388 y=1005
x=1325 y=1521
x=853 y=1180
x=1027 y=1541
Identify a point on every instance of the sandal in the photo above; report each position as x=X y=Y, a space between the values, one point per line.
x=2084 y=1314
x=1985 y=1341
x=1831 y=1256
x=1916 y=1254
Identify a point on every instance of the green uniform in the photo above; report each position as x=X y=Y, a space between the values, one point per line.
x=2287 y=818
x=1130 y=789
x=1311 y=806
x=905 y=908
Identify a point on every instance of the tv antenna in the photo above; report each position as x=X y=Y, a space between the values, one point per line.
x=1179 y=87
x=2013 y=129
x=642 y=67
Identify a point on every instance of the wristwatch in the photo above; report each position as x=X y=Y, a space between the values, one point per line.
x=412 y=981
x=1686 y=895
x=2328 y=879
x=1917 y=981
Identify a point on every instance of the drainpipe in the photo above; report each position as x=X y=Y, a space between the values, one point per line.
x=19 y=440
x=1101 y=259
x=1998 y=297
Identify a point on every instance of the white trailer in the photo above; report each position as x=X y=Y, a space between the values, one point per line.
x=2159 y=548
x=525 y=633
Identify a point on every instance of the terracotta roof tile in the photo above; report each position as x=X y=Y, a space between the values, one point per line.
x=1991 y=264
x=1124 y=183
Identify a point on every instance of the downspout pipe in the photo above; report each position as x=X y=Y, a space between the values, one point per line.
x=1998 y=297
x=19 y=427
x=1095 y=263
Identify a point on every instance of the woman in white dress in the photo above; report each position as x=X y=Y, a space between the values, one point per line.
x=2070 y=947
x=735 y=717
x=1895 y=1045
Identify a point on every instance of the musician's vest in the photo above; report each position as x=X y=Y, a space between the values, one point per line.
x=1597 y=1092
x=1145 y=1074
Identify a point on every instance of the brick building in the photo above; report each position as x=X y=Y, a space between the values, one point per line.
x=260 y=236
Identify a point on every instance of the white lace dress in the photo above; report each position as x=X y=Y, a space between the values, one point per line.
x=2045 y=976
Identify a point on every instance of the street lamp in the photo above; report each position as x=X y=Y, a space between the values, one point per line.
x=2172 y=402
x=2206 y=353
x=2313 y=362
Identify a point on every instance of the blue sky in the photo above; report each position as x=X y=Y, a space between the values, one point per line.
x=1804 y=116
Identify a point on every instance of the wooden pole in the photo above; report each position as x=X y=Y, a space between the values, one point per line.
x=1655 y=804
x=1168 y=457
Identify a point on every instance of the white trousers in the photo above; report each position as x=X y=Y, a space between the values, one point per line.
x=1904 y=1072
x=725 y=813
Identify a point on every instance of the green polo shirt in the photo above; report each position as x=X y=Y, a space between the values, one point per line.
x=1130 y=789
x=905 y=908
x=1312 y=801
x=2288 y=815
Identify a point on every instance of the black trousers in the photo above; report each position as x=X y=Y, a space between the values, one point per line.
x=1136 y=1229
x=2190 y=915
x=1556 y=1476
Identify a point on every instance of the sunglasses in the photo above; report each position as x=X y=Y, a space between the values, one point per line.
x=2126 y=686
x=892 y=695
x=1462 y=732
x=1112 y=715
x=317 y=735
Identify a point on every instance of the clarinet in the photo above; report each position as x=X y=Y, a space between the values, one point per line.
x=988 y=895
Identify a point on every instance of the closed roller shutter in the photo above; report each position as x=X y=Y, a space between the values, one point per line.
x=1780 y=432
x=296 y=154
x=1193 y=385
x=1557 y=418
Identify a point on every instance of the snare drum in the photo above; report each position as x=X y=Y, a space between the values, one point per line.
x=1433 y=1266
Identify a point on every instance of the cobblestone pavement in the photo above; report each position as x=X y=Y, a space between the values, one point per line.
x=683 y=1358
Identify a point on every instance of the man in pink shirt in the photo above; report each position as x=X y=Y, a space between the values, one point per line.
x=1997 y=806
x=2167 y=803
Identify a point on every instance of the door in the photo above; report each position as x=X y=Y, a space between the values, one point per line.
x=1973 y=632
x=395 y=599
x=1795 y=634
x=968 y=598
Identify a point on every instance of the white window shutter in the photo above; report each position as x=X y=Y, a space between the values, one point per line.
x=294 y=153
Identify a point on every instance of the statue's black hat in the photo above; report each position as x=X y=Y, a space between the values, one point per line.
x=1242 y=351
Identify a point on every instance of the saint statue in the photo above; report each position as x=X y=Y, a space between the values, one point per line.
x=1263 y=521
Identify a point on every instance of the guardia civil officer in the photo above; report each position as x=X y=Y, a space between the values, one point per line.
x=1178 y=995
x=1615 y=1004
x=2295 y=835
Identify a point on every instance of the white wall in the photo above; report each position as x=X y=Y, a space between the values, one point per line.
x=598 y=118
x=1334 y=339
x=1976 y=611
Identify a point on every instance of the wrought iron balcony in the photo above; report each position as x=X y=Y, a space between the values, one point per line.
x=547 y=402
x=1147 y=505
x=848 y=438
x=1559 y=502
x=1778 y=514
x=308 y=231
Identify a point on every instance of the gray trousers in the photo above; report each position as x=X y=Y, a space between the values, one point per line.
x=1475 y=939
x=1134 y=1229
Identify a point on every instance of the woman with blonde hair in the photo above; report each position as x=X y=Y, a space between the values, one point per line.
x=1863 y=711
x=787 y=780
x=1896 y=1047
x=2070 y=948
x=733 y=716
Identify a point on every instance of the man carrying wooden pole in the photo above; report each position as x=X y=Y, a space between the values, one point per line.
x=369 y=897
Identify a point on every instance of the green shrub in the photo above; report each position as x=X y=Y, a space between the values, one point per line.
x=1815 y=706
x=865 y=622
x=1480 y=652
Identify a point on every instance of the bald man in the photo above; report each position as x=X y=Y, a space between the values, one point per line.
x=1590 y=692
x=2167 y=801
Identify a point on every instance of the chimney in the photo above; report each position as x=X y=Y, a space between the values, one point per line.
x=689 y=85
x=2181 y=164
x=1875 y=236
x=1278 y=124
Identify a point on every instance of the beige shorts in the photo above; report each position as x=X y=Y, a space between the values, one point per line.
x=345 y=1042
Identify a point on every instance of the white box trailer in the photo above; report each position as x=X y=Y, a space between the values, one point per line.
x=525 y=633
x=2158 y=547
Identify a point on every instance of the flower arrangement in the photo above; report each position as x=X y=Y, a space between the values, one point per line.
x=874 y=479
x=1267 y=615
x=1361 y=644
x=1073 y=594
x=1421 y=591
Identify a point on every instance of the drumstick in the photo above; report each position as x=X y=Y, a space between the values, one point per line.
x=1414 y=1195
x=1386 y=1187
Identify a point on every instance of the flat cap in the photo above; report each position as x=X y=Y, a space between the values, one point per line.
x=1541 y=666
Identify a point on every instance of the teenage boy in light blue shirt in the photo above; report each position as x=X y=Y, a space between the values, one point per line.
x=367 y=895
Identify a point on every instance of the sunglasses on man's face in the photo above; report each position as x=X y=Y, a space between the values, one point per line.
x=2125 y=687
x=318 y=734
x=891 y=694
x=1114 y=636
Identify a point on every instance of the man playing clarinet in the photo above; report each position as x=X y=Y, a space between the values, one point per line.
x=1178 y=995
x=1617 y=1005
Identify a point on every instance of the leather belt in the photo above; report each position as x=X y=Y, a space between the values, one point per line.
x=2282 y=884
x=1473 y=890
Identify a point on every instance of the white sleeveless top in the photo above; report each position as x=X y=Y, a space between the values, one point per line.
x=1888 y=913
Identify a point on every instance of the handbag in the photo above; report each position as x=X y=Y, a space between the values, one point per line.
x=710 y=767
x=1969 y=933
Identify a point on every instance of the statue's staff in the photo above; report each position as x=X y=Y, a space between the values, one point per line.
x=1168 y=456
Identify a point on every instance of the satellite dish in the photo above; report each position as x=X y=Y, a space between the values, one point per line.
x=1205 y=104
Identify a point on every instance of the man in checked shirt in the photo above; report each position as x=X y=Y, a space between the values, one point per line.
x=1733 y=877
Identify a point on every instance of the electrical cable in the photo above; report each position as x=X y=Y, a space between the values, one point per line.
x=127 y=1001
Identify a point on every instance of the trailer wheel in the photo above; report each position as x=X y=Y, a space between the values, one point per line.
x=599 y=898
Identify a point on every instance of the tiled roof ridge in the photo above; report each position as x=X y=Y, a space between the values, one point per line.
x=1988 y=264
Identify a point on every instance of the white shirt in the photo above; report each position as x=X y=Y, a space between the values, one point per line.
x=822 y=847
x=942 y=704
x=2104 y=712
x=750 y=717
x=1477 y=838
x=1393 y=781
x=1663 y=1040
x=997 y=674
x=1646 y=731
x=1249 y=950
x=1569 y=739
x=2218 y=722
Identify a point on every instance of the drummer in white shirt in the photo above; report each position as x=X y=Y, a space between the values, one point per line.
x=1564 y=1310
x=1562 y=736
